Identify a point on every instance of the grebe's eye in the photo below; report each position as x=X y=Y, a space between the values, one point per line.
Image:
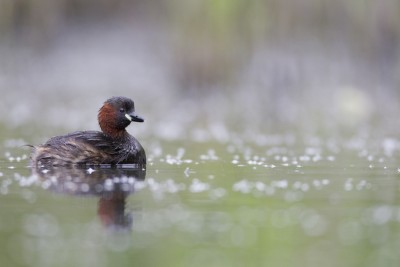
x=122 y=110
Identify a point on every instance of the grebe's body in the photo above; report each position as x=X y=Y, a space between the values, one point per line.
x=114 y=145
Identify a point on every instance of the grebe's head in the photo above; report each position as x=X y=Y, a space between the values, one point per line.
x=116 y=114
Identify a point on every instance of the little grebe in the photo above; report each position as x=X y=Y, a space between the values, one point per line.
x=114 y=145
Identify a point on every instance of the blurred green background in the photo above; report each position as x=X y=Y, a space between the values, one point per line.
x=267 y=62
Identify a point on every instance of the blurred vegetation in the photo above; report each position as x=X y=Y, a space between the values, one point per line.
x=263 y=56
x=213 y=39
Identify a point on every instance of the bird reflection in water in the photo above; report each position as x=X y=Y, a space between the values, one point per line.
x=112 y=184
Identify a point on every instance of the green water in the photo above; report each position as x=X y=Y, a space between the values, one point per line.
x=232 y=204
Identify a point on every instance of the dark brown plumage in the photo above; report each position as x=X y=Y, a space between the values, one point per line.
x=114 y=145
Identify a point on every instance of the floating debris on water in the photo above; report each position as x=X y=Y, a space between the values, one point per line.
x=211 y=155
x=198 y=186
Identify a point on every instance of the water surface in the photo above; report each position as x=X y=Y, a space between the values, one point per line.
x=235 y=204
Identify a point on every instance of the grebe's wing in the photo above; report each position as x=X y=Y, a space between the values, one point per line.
x=88 y=147
x=84 y=147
